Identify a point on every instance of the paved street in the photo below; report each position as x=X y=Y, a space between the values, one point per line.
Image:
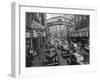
x=62 y=61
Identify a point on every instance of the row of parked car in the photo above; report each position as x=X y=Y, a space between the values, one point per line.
x=71 y=57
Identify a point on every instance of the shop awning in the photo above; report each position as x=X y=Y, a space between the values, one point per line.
x=37 y=26
x=80 y=33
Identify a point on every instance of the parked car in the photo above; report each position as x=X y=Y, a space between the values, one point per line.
x=51 y=58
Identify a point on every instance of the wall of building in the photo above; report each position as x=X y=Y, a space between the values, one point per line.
x=57 y=25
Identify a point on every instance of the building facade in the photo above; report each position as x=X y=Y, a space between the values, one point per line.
x=57 y=26
x=35 y=24
x=80 y=28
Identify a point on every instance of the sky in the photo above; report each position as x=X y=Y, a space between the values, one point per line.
x=53 y=15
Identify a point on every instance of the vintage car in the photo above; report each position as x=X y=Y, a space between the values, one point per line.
x=66 y=54
x=51 y=58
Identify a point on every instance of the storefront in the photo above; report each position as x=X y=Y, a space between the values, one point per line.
x=34 y=37
x=81 y=35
